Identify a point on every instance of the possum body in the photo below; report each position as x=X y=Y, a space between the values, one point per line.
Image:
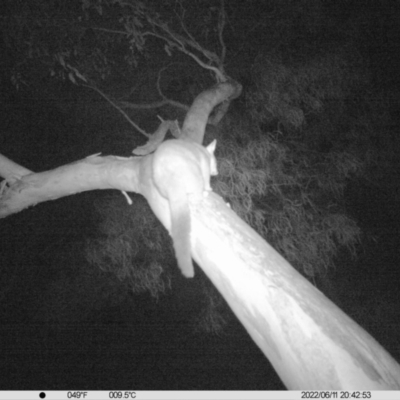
x=183 y=169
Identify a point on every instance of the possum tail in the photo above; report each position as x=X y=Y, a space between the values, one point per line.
x=180 y=232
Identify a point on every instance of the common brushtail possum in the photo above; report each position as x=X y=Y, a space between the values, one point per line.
x=183 y=169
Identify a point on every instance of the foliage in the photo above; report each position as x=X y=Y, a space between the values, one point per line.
x=77 y=290
x=213 y=317
x=290 y=91
x=291 y=197
x=274 y=171
x=100 y=42
x=130 y=245
x=71 y=39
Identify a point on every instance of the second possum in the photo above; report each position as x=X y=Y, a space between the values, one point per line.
x=183 y=169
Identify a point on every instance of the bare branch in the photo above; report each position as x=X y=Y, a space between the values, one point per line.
x=185 y=29
x=119 y=109
x=169 y=101
x=156 y=104
x=178 y=45
x=162 y=31
x=221 y=26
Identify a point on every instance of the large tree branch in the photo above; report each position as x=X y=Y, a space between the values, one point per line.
x=91 y=173
x=197 y=117
x=23 y=188
x=309 y=341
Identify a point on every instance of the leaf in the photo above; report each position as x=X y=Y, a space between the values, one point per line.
x=168 y=50
x=79 y=75
x=71 y=78
x=61 y=60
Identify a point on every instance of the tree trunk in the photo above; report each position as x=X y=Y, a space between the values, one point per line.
x=309 y=341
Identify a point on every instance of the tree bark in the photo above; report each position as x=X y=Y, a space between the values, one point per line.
x=309 y=341
x=91 y=173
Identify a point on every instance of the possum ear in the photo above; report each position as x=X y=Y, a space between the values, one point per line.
x=211 y=147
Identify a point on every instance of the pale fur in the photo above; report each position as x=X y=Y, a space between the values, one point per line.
x=183 y=169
